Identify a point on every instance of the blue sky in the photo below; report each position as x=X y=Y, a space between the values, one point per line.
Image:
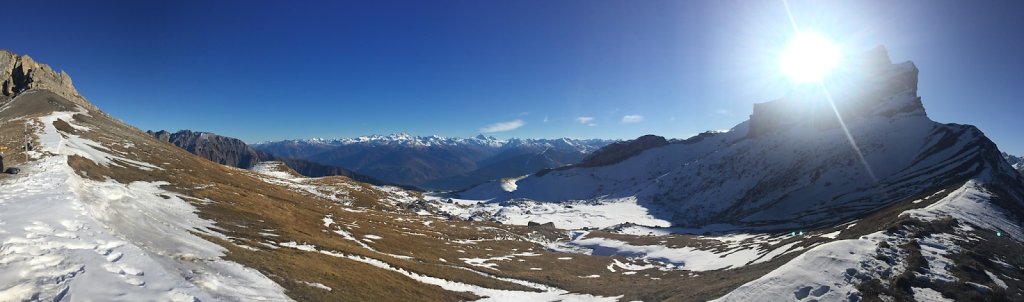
x=262 y=70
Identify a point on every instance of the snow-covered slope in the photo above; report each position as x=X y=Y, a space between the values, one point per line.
x=841 y=270
x=791 y=165
x=70 y=237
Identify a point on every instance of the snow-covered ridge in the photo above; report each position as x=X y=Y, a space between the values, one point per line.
x=405 y=139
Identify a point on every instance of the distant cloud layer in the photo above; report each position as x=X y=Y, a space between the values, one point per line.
x=632 y=118
x=503 y=126
x=584 y=119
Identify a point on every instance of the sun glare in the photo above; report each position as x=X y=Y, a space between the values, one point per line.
x=809 y=57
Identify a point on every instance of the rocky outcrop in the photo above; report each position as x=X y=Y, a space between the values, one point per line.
x=619 y=151
x=219 y=149
x=809 y=107
x=20 y=73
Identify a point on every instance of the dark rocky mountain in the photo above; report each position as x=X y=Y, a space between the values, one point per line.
x=434 y=162
x=219 y=149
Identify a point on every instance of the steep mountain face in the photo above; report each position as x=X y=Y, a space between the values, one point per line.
x=219 y=149
x=437 y=162
x=22 y=73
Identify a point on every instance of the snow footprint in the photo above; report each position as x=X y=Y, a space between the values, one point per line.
x=104 y=248
x=113 y=257
x=129 y=274
x=72 y=225
x=177 y=296
x=135 y=281
x=38 y=229
x=805 y=291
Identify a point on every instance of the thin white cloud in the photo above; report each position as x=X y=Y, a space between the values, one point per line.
x=585 y=119
x=592 y=124
x=722 y=111
x=503 y=126
x=632 y=118
x=545 y=119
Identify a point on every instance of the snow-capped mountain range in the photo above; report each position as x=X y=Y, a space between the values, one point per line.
x=435 y=162
x=408 y=140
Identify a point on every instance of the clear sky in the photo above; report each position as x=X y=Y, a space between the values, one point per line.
x=262 y=70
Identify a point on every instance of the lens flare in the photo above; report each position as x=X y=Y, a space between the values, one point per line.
x=808 y=57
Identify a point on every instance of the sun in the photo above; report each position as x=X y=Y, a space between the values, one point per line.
x=809 y=57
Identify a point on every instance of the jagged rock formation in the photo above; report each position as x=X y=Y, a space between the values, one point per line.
x=873 y=68
x=21 y=73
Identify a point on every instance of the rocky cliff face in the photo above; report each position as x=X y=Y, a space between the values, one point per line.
x=807 y=107
x=219 y=149
x=20 y=73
